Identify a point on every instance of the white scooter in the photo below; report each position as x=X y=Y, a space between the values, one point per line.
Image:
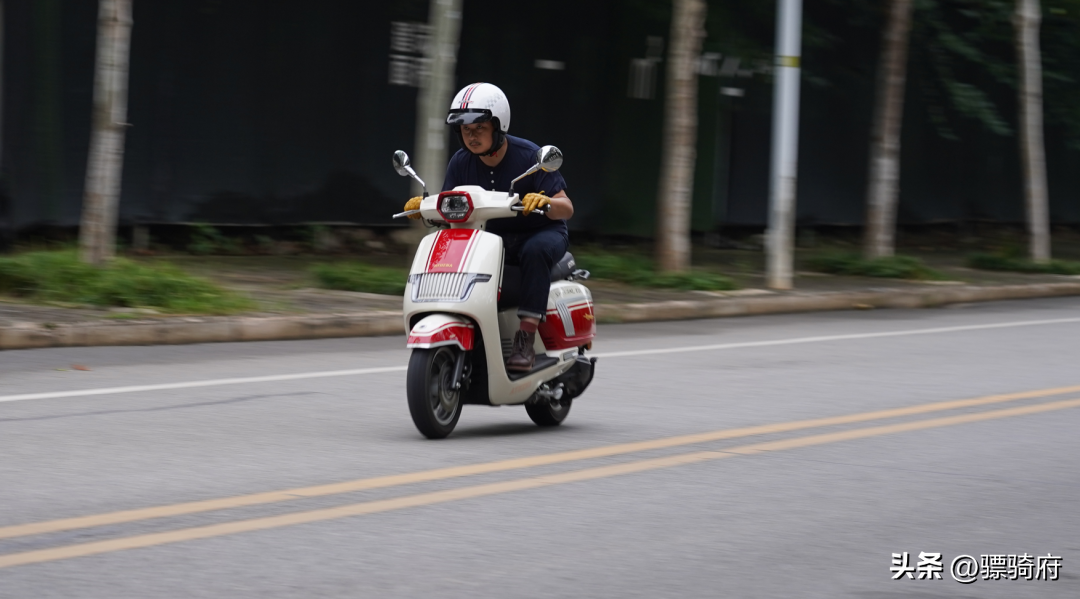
x=461 y=314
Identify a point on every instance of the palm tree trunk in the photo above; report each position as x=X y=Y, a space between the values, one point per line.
x=884 y=187
x=680 y=137
x=97 y=233
x=1033 y=154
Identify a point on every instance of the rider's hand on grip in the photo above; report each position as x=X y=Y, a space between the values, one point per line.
x=413 y=204
x=534 y=201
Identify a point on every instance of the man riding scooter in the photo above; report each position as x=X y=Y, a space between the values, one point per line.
x=480 y=118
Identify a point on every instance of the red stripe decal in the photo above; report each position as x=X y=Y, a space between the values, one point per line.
x=466 y=98
x=453 y=332
x=450 y=250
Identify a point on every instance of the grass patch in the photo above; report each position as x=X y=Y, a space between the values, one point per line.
x=891 y=267
x=357 y=276
x=59 y=276
x=1012 y=262
x=634 y=269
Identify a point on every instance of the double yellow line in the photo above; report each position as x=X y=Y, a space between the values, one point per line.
x=422 y=499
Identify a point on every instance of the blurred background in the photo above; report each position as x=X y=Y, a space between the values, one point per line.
x=271 y=112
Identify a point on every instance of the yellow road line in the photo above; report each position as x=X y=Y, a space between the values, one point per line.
x=423 y=499
x=382 y=482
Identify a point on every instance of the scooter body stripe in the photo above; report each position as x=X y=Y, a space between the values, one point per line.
x=454 y=332
x=451 y=250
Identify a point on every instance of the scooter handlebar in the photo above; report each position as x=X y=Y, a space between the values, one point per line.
x=520 y=208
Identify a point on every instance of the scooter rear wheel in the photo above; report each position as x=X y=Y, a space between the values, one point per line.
x=548 y=413
x=434 y=406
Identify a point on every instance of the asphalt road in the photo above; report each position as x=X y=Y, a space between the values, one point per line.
x=780 y=456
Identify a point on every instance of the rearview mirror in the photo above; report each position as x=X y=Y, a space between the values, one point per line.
x=401 y=163
x=549 y=158
x=404 y=168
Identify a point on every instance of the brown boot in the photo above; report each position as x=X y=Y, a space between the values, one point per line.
x=522 y=357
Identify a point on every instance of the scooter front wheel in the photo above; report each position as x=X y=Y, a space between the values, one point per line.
x=434 y=406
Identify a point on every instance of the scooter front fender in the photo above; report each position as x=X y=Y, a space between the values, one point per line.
x=437 y=330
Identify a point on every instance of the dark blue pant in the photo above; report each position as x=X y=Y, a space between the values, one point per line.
x=535 y=253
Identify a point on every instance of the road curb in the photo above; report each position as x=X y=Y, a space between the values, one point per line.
x=202 y=330
x=173 y=331
x=818 y=302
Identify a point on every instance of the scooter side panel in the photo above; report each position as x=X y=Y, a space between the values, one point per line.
x=570 y=321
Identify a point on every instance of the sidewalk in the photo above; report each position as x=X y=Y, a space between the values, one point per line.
x=288 y=312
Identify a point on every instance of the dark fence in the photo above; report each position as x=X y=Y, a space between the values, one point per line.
x=276 y=112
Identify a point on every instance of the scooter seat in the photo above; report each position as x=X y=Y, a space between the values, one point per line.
x=563 y=268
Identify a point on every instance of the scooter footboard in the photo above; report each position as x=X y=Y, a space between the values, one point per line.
x=437 y=330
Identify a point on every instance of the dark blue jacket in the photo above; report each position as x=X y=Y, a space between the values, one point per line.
x=466 y=168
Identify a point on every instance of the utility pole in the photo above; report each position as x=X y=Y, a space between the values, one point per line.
x=436 y=91
x=780 y=242
x=97 y=231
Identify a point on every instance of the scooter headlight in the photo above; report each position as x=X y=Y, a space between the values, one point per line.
x=455 y=206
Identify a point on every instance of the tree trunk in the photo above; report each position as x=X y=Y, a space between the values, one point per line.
x=1 y=91
x=1032 y=152
x=436 y=92
x=680 y=137
x=884 y=187
x=97 y=234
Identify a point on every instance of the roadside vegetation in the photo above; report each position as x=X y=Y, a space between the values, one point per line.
x=632 y=269
x=60 y=277
x=635 y=269
x=890 y=267
x=1014 y=261
x=358 y=276
x=207 y=240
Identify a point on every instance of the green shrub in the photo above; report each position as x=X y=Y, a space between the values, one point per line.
x=635 y=269
x=59 y=276
x=206 y=240
x=891 y=267
x=632 y=269
x=1011 y=262
x=692 y=281
x=357 y=276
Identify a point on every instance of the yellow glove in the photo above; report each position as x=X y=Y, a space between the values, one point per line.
x=413 y=204
x=532 y=201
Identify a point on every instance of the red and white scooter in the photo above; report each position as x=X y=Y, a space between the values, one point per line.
x=461 y=314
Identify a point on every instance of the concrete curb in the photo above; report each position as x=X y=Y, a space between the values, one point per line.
x=367 y=324
x=817 y=302
x=202 y=330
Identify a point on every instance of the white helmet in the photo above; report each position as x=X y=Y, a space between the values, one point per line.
x=479 y=103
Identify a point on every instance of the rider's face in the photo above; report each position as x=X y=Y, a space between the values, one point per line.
x=477 y=137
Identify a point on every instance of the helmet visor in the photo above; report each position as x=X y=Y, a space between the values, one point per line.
x=467 y=116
